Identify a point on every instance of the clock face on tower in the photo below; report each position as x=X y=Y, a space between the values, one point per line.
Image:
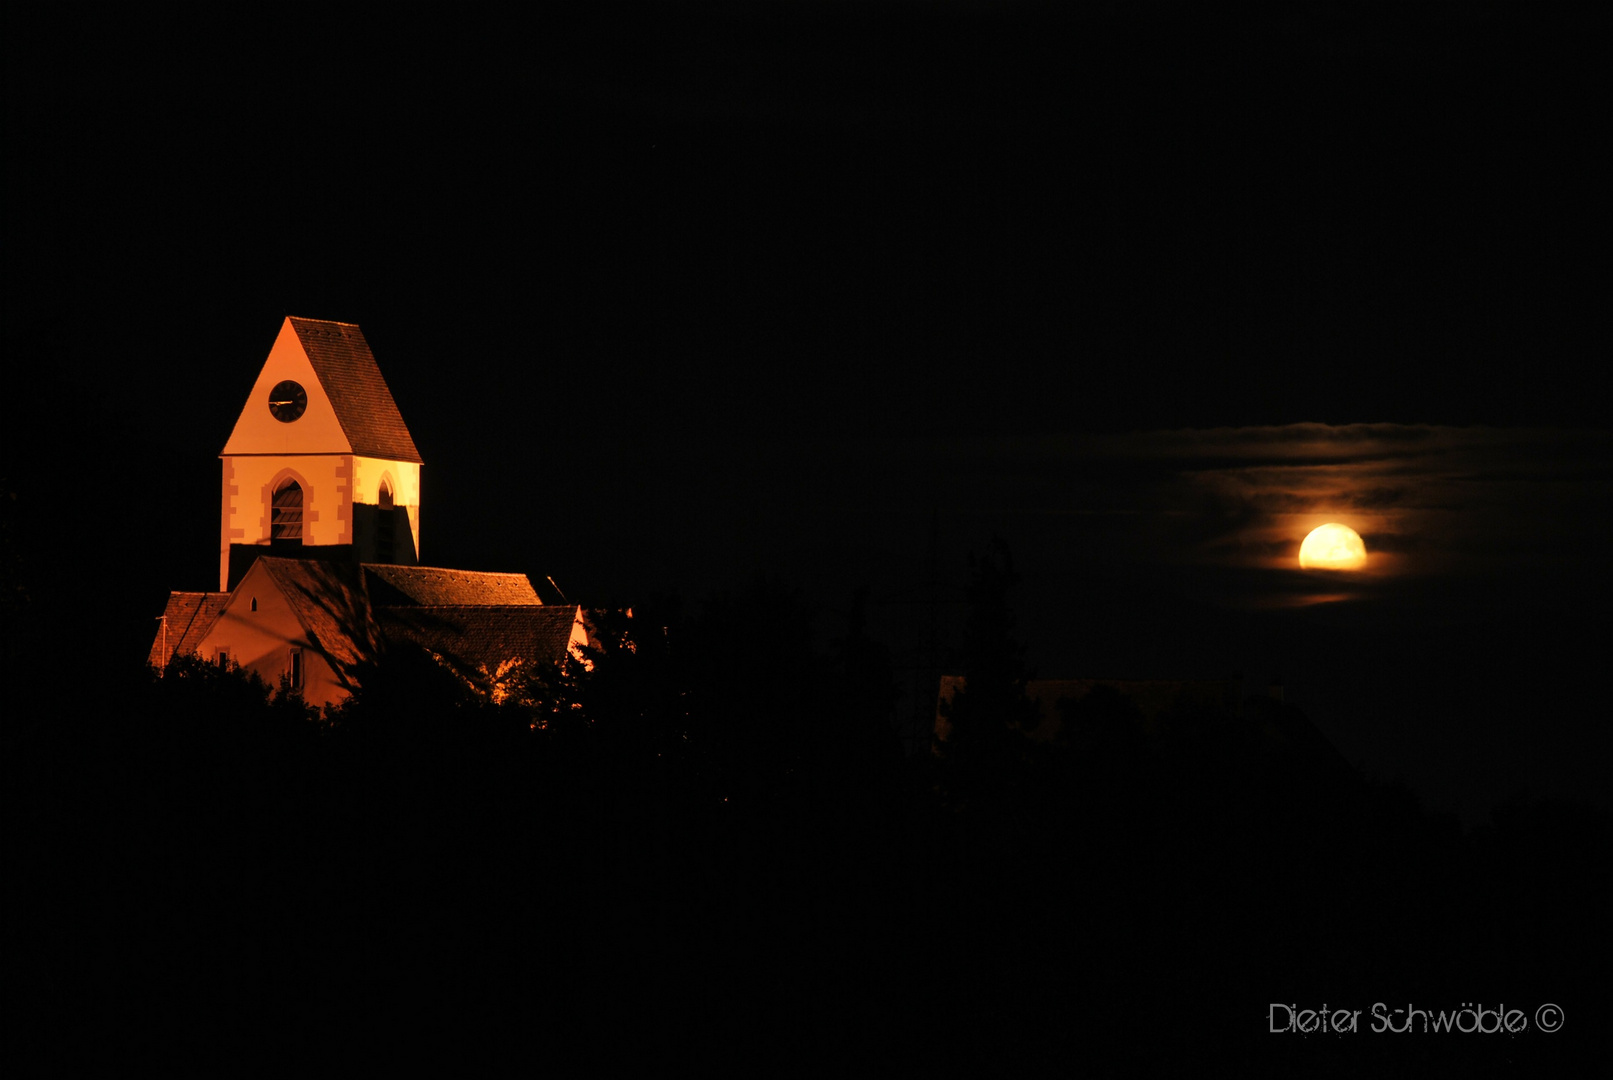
x=287 y=401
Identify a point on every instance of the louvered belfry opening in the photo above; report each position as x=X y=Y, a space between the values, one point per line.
x=386 y=530
x=285 y=521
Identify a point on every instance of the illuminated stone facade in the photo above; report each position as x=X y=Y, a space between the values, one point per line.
x=346 y=449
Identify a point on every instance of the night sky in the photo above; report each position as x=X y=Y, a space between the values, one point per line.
x=672 y=298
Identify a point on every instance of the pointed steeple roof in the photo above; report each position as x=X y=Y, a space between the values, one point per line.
x=349 y=406
x=363 y=403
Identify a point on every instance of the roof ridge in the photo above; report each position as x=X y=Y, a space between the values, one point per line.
x=476 y=607
x=333 y=322
x=449 y=570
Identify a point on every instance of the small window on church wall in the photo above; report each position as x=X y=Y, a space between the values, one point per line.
x=285 y=520
x=254 y=603
x=296 y=669
x=386 y=494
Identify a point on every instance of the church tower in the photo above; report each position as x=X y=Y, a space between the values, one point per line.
x=320 y=463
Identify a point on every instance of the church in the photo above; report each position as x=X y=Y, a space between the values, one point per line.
x=319 y=568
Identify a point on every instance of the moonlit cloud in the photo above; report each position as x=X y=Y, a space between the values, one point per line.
x=1432 y=502
x=1428 y=500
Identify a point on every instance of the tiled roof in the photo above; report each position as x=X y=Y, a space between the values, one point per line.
x=469 y=639
x=363 y=404
x=189 y=615
x=431 y=585
x=349 y=612
x=328 y=599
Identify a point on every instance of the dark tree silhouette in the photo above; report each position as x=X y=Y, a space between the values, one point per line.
x=708 y=829
x=988 y=716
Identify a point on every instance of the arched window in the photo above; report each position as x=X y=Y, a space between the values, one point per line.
x=285 y=521
x=386 y=530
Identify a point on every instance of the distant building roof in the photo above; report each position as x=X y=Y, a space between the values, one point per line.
x=1153 y=697
x=431 y=585
x=188 y=616
x=350 y=376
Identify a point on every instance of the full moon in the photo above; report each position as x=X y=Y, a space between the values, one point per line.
x=1333 y=547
